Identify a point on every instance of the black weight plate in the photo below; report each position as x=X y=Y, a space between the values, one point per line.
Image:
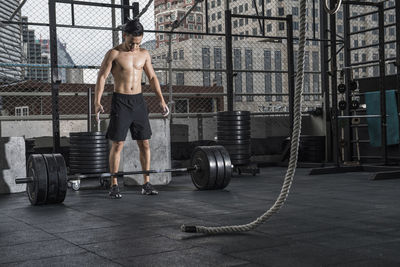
x=240 y=152
x=62 y=178
x=233 y=137
x=37 y=190
x=228 y=166
x=239 y=157
x=233 y=118
x=88 y=145
x=219 y=181
x=230 y=113
x=101 y=170
x=88 y=154
x=89 y=151
x=80 y=142
x=88 y=158
x=88 y=137
x=237 y=147
x=87 y=166
x=233 y=123
x=234 y=142
x=52 y=178
x=342 y=105
x=87 y=134
x=233 y=128
x=240 y=162
x=353 y=85
x=342 y=88
x=234 y=132
x=88 y=162
x=206 y=173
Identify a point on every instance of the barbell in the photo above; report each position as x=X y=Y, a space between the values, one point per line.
x=47 y=177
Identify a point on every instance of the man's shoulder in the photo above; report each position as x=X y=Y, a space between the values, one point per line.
x=144 y=51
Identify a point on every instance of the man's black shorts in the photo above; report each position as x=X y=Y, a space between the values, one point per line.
x=128 y=112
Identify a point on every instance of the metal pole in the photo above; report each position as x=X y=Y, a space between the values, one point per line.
x=228 y=56
x=382 y=69
x=125 y=11
x=325 y=82
x=398 y=54
x=334 y=113
x=290 y=55
x=89 y=117
x=169 y=60
x=115 y=38
x=348 y=153
x=54 y=76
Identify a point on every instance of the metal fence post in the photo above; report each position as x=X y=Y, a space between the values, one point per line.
x=228 y=56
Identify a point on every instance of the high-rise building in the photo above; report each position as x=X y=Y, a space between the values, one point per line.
x=10 y=43
x=167 y=11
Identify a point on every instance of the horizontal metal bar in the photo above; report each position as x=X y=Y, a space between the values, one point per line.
x=363 y=15
x=363 y=31
x=25 y=23
x=83 y=3
x=360 y=3
x=359 y=141
x=24 y=180
x=258 y=17
x=360 y=116
x=120 y=174
x=363 y=47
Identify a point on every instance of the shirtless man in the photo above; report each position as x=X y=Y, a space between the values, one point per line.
x=128 y=108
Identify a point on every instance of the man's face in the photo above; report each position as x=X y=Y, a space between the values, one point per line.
x=132 y=42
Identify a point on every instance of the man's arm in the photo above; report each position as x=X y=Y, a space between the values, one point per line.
x=154 y=84
x=103 y=73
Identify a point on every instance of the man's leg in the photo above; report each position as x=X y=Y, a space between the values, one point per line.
x=144 y=148
x=114 y=159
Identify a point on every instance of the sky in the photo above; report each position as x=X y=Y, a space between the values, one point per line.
x=86 y=47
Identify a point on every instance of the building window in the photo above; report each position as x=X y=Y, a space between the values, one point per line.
x=278 y=76
x=205 y=52
x=237 y=65
x=249 y=75
x=181 y=105
x=218 y=65
x=22 y=111
x=281 y=11
x=175 y=55
x=219 y=15
x=180 y=78
x=281 y=26
x=181 y=54
x=219 y=27
x=198 y=19
x=267 y=76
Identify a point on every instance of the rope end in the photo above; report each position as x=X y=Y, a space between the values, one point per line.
x=189 y=228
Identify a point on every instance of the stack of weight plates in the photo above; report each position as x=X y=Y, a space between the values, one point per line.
x=88 y=152
x=233 y=132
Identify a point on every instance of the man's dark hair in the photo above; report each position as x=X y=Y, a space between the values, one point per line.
x=134 y=27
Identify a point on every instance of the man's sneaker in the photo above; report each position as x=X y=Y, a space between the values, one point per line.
x=147 y=189
x=114 y=192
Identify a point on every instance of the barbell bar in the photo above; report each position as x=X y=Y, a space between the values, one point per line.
x=47 y=177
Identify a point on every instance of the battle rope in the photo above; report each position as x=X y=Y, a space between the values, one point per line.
x=293 y=149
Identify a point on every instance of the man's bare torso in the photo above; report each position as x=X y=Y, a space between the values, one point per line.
x=127 y=68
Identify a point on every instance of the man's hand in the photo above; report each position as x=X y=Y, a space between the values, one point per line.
x=165 y=109
x=98 y=108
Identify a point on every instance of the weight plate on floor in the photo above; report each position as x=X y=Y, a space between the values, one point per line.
x=81 y=141
x=233 y=137
x=87 y=162
x=240 y=162
x=228 y=166
x=52 y=178
x=206 y=174
x=237 y=147
x=233 y=128
x=88 y=158
x=234 y=142
x=237 y=112
x=240 y=152
x=62 y=178
x=233 y=123
x=87 y=166
x=219 y=181
x=240 y=157
x=37 y=190
x=233 y=118
x=234 y=132
x=88 y=137
x=88 y=145
x=87 y=134
x=88 y=154
x=100 y=170
x=89 y=151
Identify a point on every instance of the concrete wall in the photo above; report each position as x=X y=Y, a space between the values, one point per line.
x=12 y=164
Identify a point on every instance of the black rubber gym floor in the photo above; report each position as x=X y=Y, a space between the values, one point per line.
x=328 y=220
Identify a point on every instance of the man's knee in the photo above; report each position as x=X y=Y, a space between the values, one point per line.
x=117 y=146
x=143 y=145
